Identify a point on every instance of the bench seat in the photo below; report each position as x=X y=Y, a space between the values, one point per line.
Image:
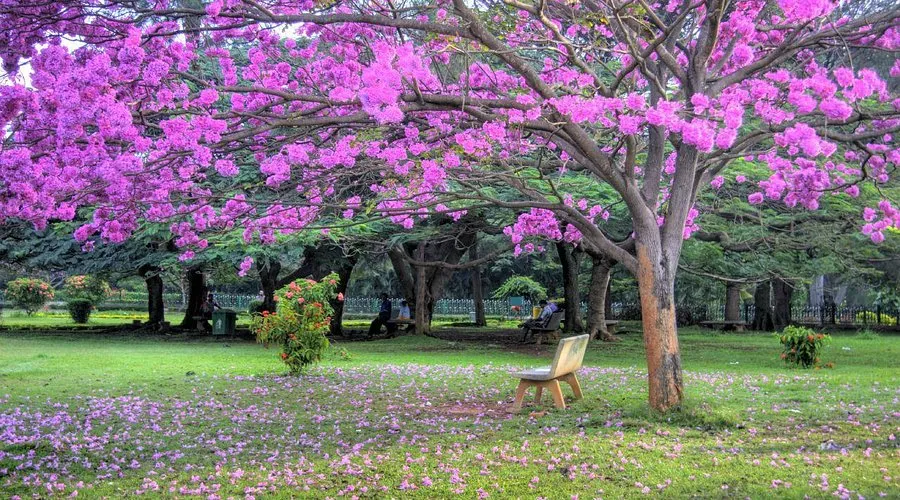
x=535 y=374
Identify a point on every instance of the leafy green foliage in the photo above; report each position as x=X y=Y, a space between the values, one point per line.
x=300 y=323
x=521 y=286
x=80 y=310
x=29 y=293
x=802 y=346
x=874 y=318
x=87 y=287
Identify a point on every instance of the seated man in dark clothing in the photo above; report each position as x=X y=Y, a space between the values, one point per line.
x=384 y=314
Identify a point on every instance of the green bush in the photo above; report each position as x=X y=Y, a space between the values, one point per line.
x=300 y=323
x=80 y=310
x=871 y=318
x=255 y=307
x=90 y=288
x=29 y=294
x=802 y=346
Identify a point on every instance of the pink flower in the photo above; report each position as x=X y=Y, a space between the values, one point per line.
x=755 y=198
x=245 y=266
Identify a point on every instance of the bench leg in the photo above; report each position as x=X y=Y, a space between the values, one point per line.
x=537 y=394
x=520 y=395
x=556 y=392
x=572 y=380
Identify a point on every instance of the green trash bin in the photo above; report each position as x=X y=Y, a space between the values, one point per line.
x=223 y=322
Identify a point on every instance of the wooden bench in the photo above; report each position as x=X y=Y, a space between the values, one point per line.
x=410 y=323
x=611 y=326
x=568 y=358
x=550 y=327
x=737 y=326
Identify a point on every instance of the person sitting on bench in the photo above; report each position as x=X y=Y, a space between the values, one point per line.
x=384 y=314
x=206 y=310
x=404 y=311
x=547 y=310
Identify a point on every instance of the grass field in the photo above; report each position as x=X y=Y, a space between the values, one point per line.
x=425 y=418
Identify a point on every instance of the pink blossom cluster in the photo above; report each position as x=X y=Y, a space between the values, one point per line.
x=124 y=129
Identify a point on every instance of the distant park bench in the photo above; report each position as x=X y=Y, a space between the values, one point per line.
x=551 y=327
x=395 y=320
x=568 y=358
x=737 y=326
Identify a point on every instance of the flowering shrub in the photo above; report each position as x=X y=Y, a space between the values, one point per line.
x=802 y=346
x=29 y=294
x=299 y=324
x=80 y=310
x=89 y=288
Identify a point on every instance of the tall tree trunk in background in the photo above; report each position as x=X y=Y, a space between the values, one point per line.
x=156 y=310
x=783 y=292
x=597 y=300
x=570 y=260
x=344 y=271
x=268 y=280
x=477 y=289
x=196 y=294
x=762 y=300
x=607 y=302
x=427 y=283
x=732 y=301
x=423 y=319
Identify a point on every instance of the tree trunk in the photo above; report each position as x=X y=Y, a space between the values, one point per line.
x=477 y=289
x=597 y=300
x=732 y=301
x=783 y=292
x=196 y=294
x=570 y=287
x=607 y=303
x=268 y=280
x=656 y=283
x=155 y=304
x=762 y=301
x=423 y=319
x=344 y=271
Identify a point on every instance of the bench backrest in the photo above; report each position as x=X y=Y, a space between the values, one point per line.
x=553 y=322
x=569 y=355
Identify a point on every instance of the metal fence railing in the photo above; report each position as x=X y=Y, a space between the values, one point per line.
x=443 y=307
x=801 y=314
x=625 y=311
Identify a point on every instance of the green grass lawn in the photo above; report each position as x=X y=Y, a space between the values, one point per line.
x=426 y=418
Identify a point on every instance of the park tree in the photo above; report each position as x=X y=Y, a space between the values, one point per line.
x=414 y=109
x=774 y=250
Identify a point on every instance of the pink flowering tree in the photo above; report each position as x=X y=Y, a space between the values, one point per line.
x=404 y=110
